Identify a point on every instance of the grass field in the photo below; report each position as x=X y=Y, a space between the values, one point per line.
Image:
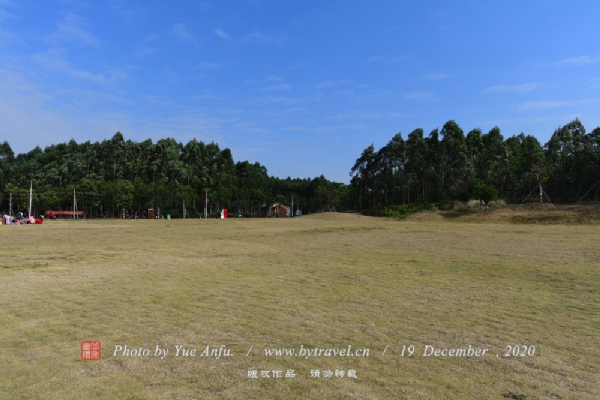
x=446 y=280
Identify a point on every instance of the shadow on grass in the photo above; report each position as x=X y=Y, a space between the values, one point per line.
x=539 y=219
x=457 y=214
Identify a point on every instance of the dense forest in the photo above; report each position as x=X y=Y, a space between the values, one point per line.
x=449 y=165
x=114 y=174
x=445 y=165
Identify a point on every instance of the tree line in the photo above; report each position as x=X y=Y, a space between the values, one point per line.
x=114 y=174
x=443 y=166
x=447 y=165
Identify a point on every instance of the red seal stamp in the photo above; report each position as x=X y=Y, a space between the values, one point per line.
x=90 y=350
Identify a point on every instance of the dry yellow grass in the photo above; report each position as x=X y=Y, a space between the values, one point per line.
x=328 y=280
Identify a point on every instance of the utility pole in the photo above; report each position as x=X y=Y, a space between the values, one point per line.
x=30 y=197
x=74 y=205
x=206 y=205
x=292 y=206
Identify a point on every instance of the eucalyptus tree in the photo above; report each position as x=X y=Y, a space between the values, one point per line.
x=475 y=152
x=571 y=160
x=361 y=172
x=7 y=158
x=495 y=159
x=416 y=158
x=394 y=153
x=432 y=166
x=170 y=170
x=256 y=197
x=525 y=165
x=454 y=166
x=595 y=139
x=331 y=195
x=27 y=167
x=195 y=157
x=116 y=150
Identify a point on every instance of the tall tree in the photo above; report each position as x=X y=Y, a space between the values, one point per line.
x=361 y=172
x=7 y=158
x=454 y=165
x=571 y=160
x=417 y=158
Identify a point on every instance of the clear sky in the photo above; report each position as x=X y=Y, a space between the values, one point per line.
x=300 y=86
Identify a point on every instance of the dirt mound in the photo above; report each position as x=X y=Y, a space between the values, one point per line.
x=566 y=214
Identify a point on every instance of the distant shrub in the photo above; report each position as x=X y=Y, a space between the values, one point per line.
x=461 y=206
x=396 y=211
x=444 y=206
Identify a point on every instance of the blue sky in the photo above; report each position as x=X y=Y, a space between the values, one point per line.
x=301 y=87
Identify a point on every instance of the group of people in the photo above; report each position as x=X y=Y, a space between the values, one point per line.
x=19 y=219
